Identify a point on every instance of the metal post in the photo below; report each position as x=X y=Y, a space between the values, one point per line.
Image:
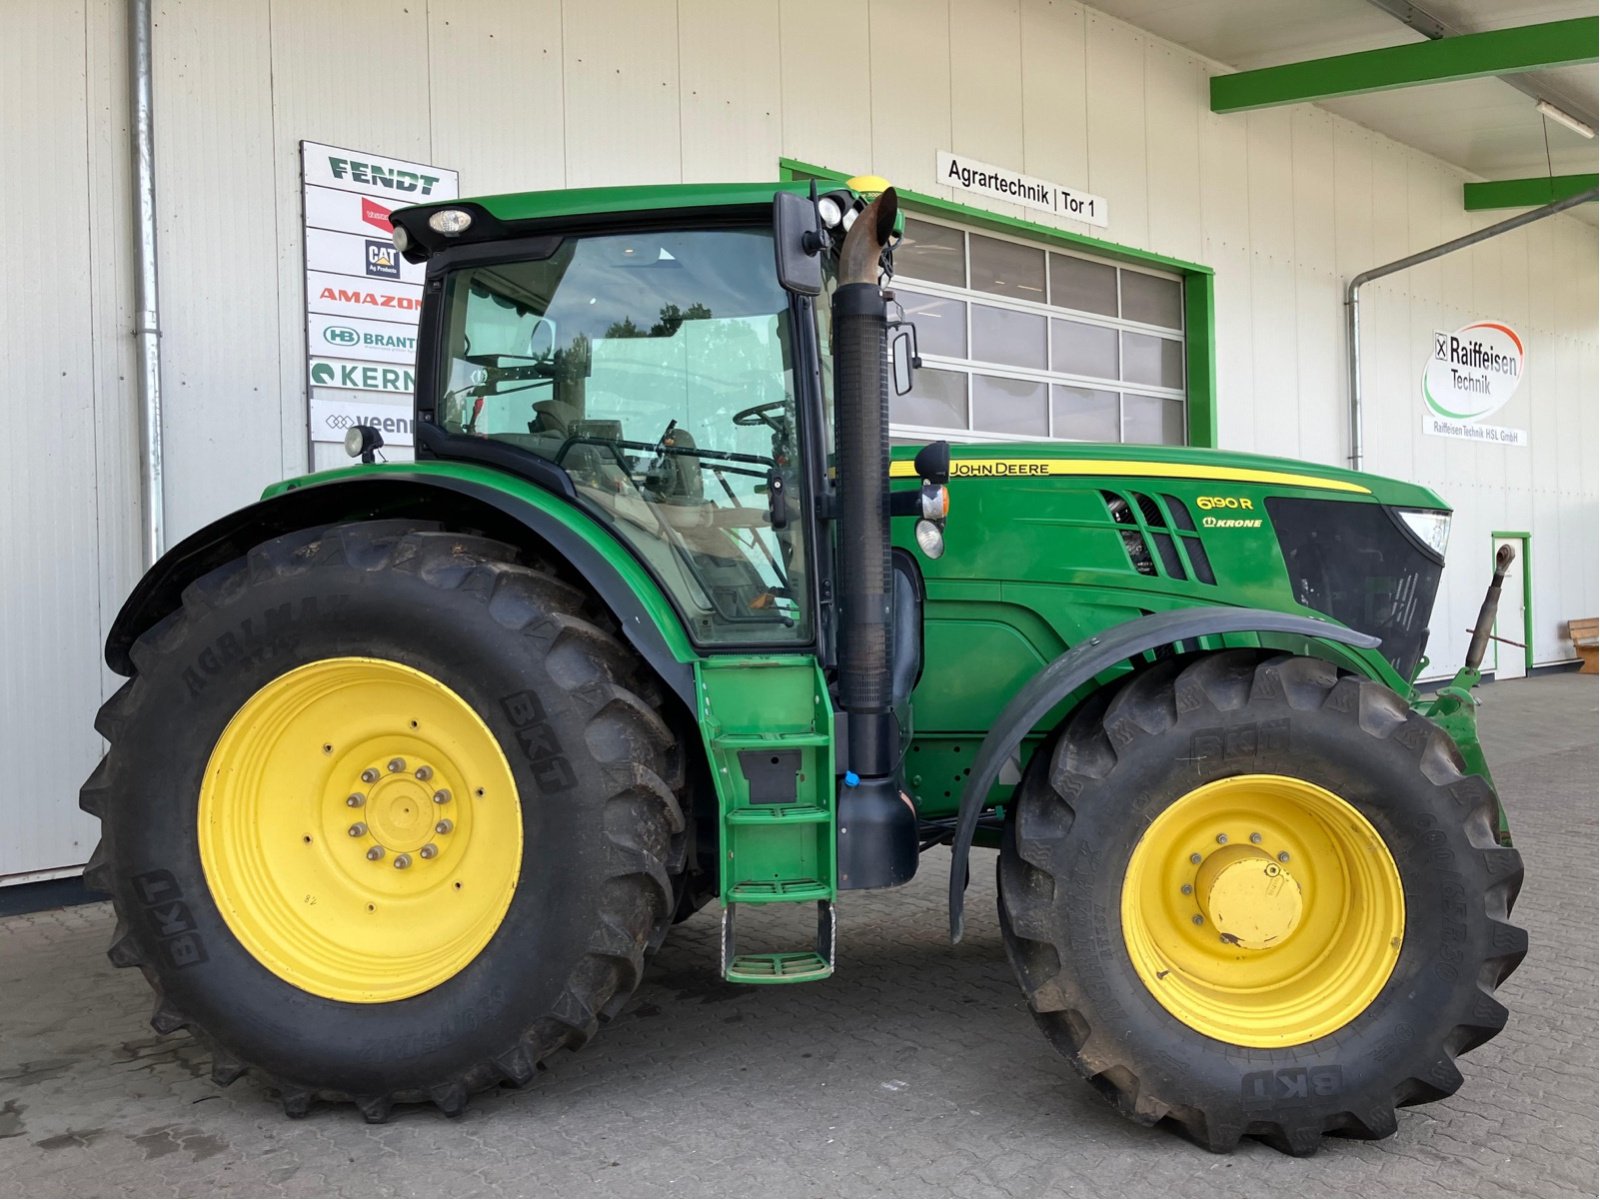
x=147 y=308
x=1352 y=294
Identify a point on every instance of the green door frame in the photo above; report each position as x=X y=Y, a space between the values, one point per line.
x=1199 y=290
x=1499 y=535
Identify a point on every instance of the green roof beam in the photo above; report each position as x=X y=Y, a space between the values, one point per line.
x=1524 y=193
x=1468 y=56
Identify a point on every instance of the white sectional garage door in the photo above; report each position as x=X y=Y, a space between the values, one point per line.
x=1021 y=342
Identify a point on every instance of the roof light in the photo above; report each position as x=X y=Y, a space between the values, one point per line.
x=1562 y=118
x=830 y=212
x=401 y=238
x=452 y=222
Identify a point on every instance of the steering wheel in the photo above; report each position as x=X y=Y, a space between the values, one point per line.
x=762 y=414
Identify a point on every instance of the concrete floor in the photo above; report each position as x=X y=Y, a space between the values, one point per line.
x=915 y=1071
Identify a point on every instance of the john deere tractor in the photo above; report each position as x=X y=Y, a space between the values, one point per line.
x=417 y=762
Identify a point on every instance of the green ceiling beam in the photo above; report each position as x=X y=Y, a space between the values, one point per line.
x=1497 y=52
x=1524 y=193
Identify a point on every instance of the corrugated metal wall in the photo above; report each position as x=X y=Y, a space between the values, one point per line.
x=1284 y=204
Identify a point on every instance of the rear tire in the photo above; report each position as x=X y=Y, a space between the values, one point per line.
x=1093 y=796
x=595 y=769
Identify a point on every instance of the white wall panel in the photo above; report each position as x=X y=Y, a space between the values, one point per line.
x=622 y=112
x=1055 y=99
x=1118 y=164
x=987 y=120
x=730 y=93
x=910 y=90
x=827 y=83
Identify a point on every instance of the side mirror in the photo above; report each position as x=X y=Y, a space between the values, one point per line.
x=903 y=356
x=797 y=242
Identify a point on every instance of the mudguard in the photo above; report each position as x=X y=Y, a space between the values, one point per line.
x=481 y=496
x=1077 y=667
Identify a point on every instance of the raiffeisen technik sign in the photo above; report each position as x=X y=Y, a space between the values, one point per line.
x=1472 y=374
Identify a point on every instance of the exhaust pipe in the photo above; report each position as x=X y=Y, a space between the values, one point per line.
x=877 y=828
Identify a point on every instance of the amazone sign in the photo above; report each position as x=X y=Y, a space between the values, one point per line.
x=1474 y=371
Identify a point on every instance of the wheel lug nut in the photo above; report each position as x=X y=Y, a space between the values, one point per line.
x=1195 y=859
x=375 y=853
x=396 y=765
x=402 y=861
x=442 y=796
x=1222 y=839
x=424 y=773
x=1283 y=856
x=355 y=800
x=357 y=829
x=444 y=826
x=370 y=775
x=1187 y=889
x=429 y=851
x=1256 y=838
x=1198 y=919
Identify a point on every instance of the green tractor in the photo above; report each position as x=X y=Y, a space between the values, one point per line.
x=416 y=763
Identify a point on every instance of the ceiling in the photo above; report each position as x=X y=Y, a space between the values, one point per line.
x=1486 y=126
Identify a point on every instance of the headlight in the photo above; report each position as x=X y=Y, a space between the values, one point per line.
x=1431 y=527
x=830 y=212
x=450 y=221
x=850 y=218
x=402 y=239
x=355 y=441
x=931 y=538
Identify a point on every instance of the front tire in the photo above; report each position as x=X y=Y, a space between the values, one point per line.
x=385 y=816
x=1252 y=896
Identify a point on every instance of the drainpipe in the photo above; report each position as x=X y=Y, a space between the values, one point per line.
x=147 y=309
x=1352 y=295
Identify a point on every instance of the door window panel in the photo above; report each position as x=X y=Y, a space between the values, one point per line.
x=1016 y=406
x=1082 y=284
x=1003 y=335
x=941 y=324
x=1022 y=336
x=936 y=253
x=937 y=398
x=1085 y=414
x=1007 y=268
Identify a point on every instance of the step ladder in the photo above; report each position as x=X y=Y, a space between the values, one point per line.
x=768 y=728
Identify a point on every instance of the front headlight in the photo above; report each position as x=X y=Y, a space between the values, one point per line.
x=1431 y=527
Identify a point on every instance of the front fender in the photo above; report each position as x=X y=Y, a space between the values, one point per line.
x=1077 y=667
x=479 y=497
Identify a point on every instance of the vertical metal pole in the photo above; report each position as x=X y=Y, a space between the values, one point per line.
x=147 y=308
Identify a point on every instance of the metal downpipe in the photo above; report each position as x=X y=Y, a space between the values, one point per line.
x=147 y=307
x=1352 y=295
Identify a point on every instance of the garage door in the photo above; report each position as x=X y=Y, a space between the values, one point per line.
x=1023 y=342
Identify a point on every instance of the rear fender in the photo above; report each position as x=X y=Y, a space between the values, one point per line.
x=458 y=496
x=1071 y=670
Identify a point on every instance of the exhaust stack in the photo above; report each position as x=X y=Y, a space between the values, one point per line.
x=877 y=828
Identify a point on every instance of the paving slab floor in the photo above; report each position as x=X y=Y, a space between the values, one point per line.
x=916 y=1070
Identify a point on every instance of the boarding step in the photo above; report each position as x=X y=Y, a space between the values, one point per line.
x=780 y=814
x=784 y=966
x=778 y=891
x=768 y=741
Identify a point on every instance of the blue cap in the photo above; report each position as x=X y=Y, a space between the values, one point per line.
x=851 y=779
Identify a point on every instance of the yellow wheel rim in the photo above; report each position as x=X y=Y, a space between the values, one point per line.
x=360 y=830
x=1263 y=911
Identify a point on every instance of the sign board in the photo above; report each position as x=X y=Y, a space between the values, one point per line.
x=1471 y=374
x=970 y=175
x=362 y=299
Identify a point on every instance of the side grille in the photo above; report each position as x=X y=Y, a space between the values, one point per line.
x=1161 y=532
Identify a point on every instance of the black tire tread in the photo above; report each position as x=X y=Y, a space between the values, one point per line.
x=1089 y=744
x=529 y=599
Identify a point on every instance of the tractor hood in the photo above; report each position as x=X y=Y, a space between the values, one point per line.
x=1042 y=460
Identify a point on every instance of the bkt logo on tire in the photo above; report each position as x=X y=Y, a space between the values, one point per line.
x=340 y=335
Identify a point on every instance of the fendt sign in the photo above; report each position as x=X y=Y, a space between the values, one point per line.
x=1471 y=374
x=362 y=298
